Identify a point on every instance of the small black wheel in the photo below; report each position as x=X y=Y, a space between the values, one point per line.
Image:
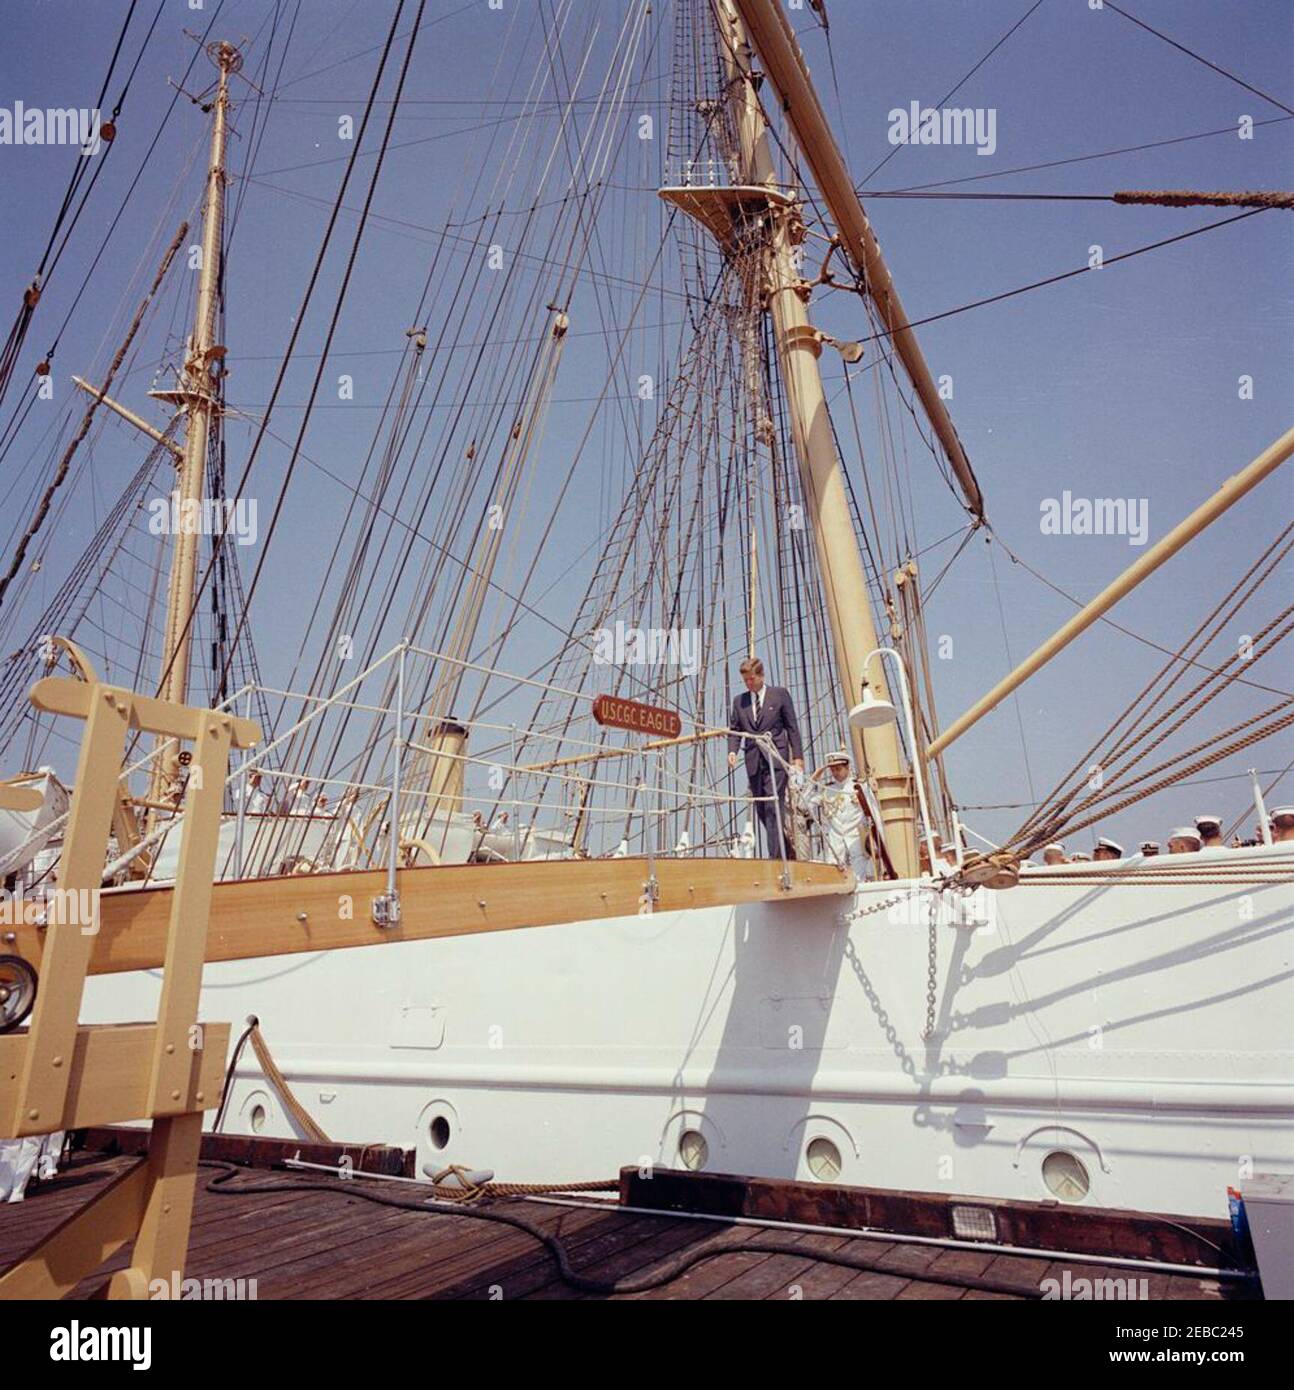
x=17 y=992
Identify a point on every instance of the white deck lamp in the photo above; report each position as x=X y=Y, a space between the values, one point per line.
x=872 y=712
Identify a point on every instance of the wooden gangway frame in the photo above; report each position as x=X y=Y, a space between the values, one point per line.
x=60 y=1075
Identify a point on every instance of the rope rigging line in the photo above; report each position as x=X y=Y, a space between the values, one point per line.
x=444 y=549
x=108 y=135
x=701 y=536
x=1070 y=274
x=60 y=474
x=16 y=421
x=1110 y=622
x=1219 y=752
x=1196 y=782
x=262 y=108
x=644 y=492
x=332 y=329
x=298 y=322
x=364 y=52
x=453 y=519
x=1186 y=198
x=1166 y=731
x=1199 y=58
x=1206 y=632
x=51 y=255
x=1142 y=716
x=1015 y=698
x=1169 y=198
x=1145 y=712
x=1229 y=130
x=15 y=673
x=952 y=91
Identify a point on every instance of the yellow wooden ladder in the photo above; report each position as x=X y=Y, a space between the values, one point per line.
x=59 y=1074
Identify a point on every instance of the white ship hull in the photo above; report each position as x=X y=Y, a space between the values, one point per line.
x=1144 y=1028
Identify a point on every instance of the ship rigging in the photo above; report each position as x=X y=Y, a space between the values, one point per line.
x=431 y=758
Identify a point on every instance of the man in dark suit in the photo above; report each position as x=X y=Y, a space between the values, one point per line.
x=767 y=710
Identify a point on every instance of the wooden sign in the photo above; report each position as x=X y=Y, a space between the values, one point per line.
x=615 y=713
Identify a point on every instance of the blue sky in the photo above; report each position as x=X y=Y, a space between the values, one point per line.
x=1122 y=383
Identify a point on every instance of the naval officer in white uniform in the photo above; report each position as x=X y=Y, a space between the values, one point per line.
x=839 y=812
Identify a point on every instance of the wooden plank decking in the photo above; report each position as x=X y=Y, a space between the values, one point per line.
x=332 y=1244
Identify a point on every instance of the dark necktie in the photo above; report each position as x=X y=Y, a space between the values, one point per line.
x=759 y=705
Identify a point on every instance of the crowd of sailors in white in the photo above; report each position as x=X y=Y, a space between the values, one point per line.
x=838 y=807
x=1205 y=833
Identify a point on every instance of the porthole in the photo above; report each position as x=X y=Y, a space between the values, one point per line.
x=256 y=1118
x=1065 y=1177
x=693 y=1151
x=438 y=1131
x=823 y=1158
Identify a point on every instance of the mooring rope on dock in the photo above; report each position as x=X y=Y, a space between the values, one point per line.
x=468 y=1192
x=589 y=1284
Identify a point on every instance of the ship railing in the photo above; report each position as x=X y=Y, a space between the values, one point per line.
x=640 y=805
x=701 y=173
x=635 y=807
x=52 y=829
x=622 y=800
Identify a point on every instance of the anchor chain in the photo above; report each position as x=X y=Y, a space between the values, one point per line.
x=931 y=962
x=860 y=912
x=932 y=957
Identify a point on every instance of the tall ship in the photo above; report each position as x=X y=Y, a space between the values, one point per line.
x=517 y=870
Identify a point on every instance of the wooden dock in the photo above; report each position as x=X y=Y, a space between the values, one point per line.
x=329 y=1242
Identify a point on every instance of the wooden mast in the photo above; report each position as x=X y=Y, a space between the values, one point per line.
x=840 y=562
x=774 y=40
x=197 y=395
